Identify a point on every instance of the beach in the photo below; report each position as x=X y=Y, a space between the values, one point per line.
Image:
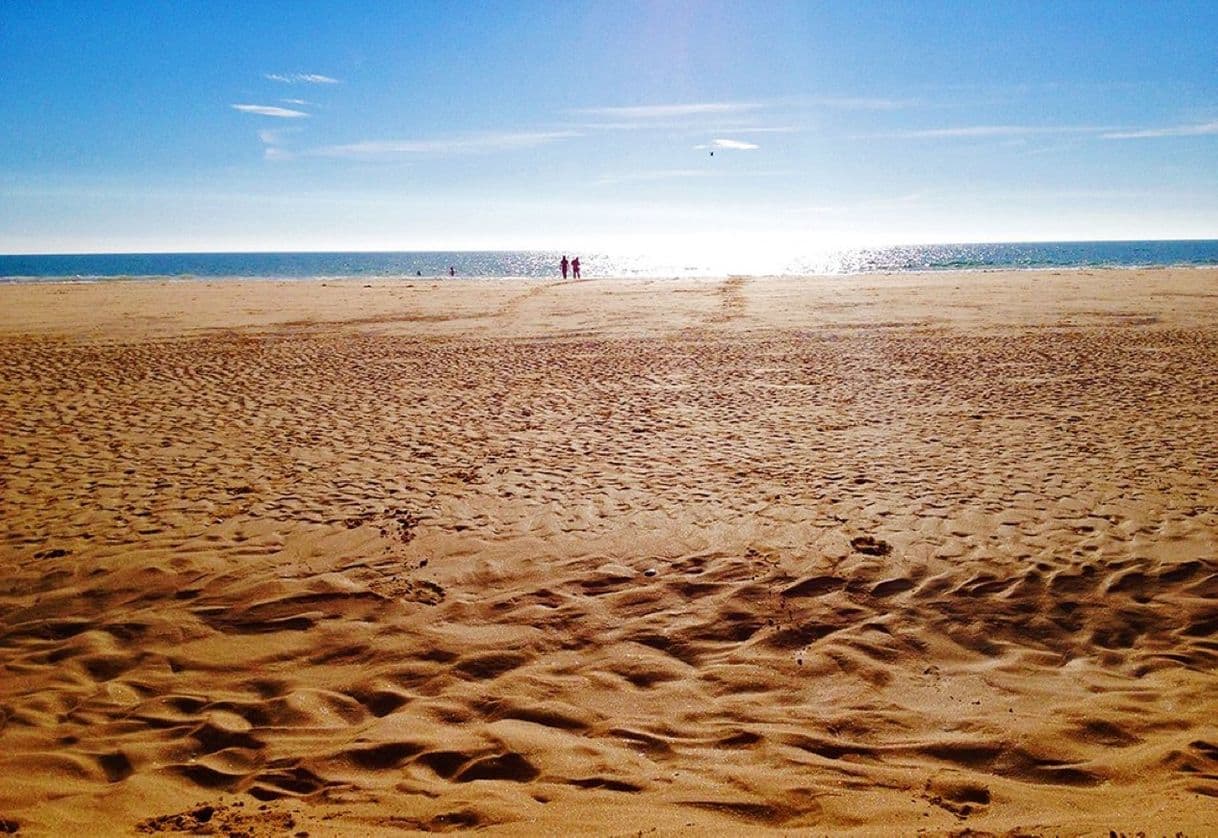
x=867 y=554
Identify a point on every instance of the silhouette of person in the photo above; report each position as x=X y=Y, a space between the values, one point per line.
x=563 y=266
x=575 y=267
x=452 y=271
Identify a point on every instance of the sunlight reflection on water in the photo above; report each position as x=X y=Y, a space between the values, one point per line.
x=721 y=261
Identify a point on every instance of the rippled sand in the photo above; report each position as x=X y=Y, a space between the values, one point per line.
x=878 y=554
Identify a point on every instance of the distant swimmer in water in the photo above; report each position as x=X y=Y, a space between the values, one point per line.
x=575 y=268
x=452 y=271
x=562 y=266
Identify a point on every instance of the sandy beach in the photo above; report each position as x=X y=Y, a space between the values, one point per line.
x=873 y=555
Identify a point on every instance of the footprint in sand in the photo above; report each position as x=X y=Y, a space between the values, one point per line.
x=870 y=546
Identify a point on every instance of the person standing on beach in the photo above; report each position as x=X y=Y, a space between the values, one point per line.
x=563 y=266
x=575 y=268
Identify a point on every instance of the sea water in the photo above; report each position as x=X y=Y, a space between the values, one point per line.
x=539 y=263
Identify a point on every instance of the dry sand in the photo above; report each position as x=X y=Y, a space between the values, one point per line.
x=872 y=554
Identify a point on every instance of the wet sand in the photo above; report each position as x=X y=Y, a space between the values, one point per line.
x=873 y=554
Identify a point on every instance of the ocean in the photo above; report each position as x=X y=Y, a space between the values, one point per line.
x=537 y=263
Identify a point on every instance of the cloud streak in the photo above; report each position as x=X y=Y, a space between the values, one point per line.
x=474 y=144
x=1021 y=131
x=270 y=110
x=730 y=145
x=1173 y=131
x=300 y=78
x=671 y=111
x=967 y=131
x=272 y=143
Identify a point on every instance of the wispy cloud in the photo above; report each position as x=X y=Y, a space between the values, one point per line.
x=685 y=126
x=272 y=143
x=671 y=111
x=471 y=144
x=731 y=145
x=966 y=131
x=1173 y=131
x=270 y=110
x=302 y=102
x=301 y=78
x=613 y=126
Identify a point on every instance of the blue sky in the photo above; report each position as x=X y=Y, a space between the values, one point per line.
x=261 y=126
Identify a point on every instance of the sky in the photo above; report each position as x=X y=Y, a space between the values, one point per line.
x=608 y=126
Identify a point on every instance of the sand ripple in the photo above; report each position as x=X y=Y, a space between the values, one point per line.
x=846 y=578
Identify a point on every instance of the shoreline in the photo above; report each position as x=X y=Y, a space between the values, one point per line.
x=69 y=279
